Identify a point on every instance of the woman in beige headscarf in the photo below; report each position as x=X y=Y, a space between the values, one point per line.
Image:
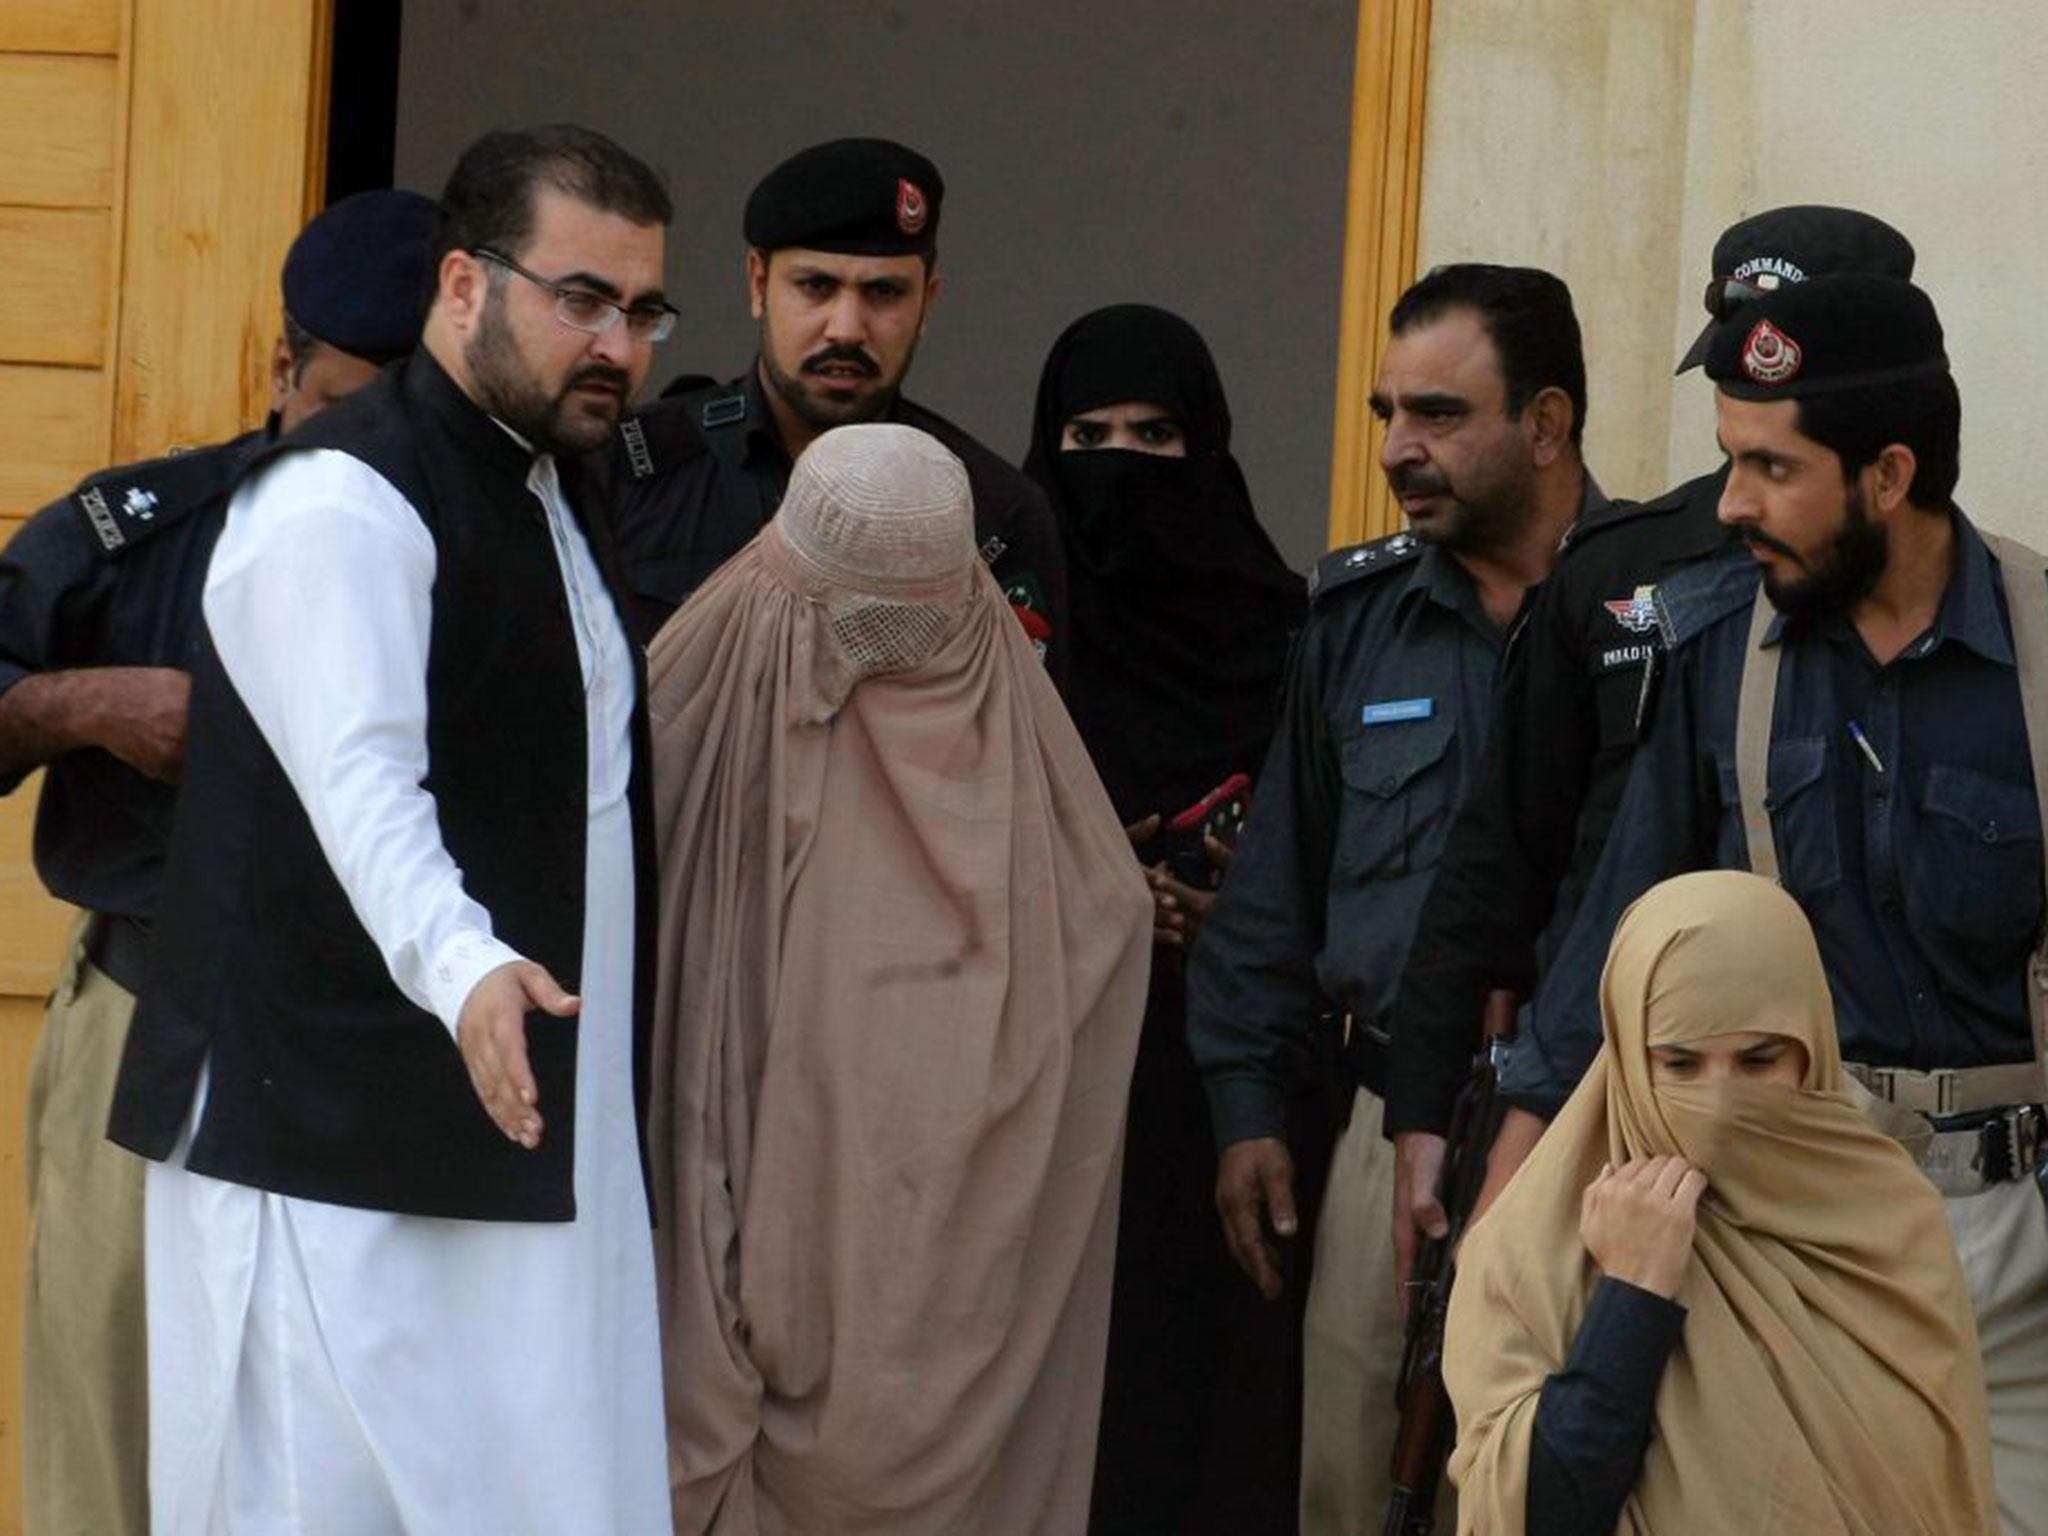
x=903 y=962
x=1822 y=1373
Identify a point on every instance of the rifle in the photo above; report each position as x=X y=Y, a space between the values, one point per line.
x=1422 y=1443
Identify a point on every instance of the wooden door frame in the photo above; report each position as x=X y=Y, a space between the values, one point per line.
x=1382 y=218
x=211 y=152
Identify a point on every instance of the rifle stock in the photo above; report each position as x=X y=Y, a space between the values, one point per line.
x=1423 y=1440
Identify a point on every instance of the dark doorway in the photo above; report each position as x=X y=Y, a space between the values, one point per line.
x=362 y=102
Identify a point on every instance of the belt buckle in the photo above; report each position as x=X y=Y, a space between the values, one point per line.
x=1997 y=1146
x=2028 y=1124
x=2009 y=1144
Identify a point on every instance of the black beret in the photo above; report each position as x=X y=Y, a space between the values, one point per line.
x=358 y=276
x=1782 y=246
x=857 y=197
x=1850 y=331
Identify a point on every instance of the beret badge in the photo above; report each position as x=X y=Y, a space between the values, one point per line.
x=911 y=208
x=1769 y=356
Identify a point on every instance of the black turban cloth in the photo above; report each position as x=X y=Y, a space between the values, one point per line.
x=1181 y=609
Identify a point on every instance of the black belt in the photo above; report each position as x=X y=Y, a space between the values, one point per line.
x=118 y=947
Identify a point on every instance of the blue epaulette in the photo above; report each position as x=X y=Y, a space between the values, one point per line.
x=1342 y=567
x=656 y=438
x=1698 y=596
x=125 y=506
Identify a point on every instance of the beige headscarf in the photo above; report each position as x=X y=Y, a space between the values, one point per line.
x=903 y=963
x=1828 y=1379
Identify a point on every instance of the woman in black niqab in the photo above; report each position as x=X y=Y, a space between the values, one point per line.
x=1181 y=609
x=1181 y=614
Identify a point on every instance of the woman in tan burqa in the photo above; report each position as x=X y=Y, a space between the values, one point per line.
x=904 y=951
x=1789 y=1353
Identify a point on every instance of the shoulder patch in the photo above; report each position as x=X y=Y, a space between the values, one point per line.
x=655 y=439
x=125 y=506
x=1342 y=567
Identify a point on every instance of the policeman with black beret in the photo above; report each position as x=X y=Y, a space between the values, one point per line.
x=842 y=245
x=1869 y=724
x=99 y=614
x=1575 y=696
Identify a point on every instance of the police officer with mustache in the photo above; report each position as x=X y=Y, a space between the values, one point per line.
x=842 y=255
x=1390 y=694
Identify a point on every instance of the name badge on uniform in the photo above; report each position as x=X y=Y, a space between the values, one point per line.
x=1388 y=711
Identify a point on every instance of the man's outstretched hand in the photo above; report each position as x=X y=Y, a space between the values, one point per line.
x=492 y=1034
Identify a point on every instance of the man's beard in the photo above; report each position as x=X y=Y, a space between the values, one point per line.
x=1484 y=517
x=507 y=387
x=816 y=409
x=1841 y=577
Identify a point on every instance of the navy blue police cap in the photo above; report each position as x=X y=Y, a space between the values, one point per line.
x=855 y=197
x=1782 y=246
x=1826 y=335
x=358 y=276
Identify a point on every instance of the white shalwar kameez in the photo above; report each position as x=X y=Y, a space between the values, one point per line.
x=317 y=1369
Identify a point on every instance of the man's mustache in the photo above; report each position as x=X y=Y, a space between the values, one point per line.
x=1414 y=480
x=601 y=374
x=852 y=356
x=1757 y=539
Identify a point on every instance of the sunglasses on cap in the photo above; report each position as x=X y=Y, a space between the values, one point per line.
x=1727 y=294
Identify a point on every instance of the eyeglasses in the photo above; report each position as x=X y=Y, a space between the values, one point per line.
x=582 y=310
x=1727 y=294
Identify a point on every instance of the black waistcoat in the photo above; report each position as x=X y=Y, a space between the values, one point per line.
x=324 y=1081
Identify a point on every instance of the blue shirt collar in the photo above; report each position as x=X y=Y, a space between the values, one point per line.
x=1970 y=611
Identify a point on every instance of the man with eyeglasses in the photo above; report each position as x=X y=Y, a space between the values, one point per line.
x=388 y=1065
x=842 y=246
x=99 y=620
x=1576 y=694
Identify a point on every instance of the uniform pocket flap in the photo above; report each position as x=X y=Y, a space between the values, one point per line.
x=1796 y=766
x=1994 y=810
x=1380 y=760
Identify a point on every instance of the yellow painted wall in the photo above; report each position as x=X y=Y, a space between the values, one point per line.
x=1612 y=143
x=156 y=157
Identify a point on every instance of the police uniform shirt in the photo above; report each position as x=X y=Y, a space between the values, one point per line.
x=1918 y=861
x=1387 y=704
x=694 y=477
x=111 y=577
x=1576 y=693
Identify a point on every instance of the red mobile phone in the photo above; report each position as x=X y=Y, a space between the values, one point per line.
x=1232 y=788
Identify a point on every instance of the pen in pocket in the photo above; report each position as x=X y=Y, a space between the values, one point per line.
x=1863 y=741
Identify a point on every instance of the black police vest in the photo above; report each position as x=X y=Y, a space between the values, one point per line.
x=323 y=1080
